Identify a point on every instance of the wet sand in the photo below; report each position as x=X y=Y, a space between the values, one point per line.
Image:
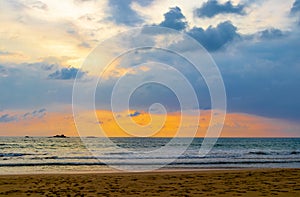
x=248 y=182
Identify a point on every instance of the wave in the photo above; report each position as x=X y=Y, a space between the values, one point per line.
x=14 y=154
x=273 y=153
x=127 y=156
x=236 y=162
x=120 y=157
x=259 y=153
x=119 y=153
x=214 y=163
x=295 y=152
x=48 y=164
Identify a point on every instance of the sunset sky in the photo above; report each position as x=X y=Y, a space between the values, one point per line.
x=44 y=43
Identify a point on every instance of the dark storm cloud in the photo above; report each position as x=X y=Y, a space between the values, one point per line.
x=213 y=8
x=214 y=38
x=174 y=19
x=66 y=74
x=122 y=13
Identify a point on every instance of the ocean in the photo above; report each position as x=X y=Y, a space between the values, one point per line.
x=20 y=155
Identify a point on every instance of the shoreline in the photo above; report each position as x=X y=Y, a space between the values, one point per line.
x=107 y=172
x=116 y=171
x=229 y=182
x=159 y=171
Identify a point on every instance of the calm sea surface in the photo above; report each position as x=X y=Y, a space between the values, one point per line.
x=54 y=155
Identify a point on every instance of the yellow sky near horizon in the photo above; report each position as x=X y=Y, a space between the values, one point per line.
x=236 y=125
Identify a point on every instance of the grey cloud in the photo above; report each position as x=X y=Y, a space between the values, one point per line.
x=35 y=114
x=212 y=8
x=48 y=67
x=296 y=7
x=82 y=1
x=85 y=45
x=215 y=38
x=3 y=71
x=147 y=94
x=18 y=5
x=174 y=19
x=122 y=13
x=5 y=53
x=7 y=118
x=39 y=5
x=27 y=86
x=71 y=31
x=66 y=74
x=136 y=113
x=271 y=33
x=262 y=77
x=144 y=2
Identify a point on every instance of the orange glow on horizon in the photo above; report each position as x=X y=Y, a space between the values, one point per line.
x=236 y=125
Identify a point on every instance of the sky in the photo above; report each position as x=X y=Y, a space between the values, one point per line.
x=45 y=44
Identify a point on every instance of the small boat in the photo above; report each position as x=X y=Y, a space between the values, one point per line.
x=60 y=136
x=91 y=137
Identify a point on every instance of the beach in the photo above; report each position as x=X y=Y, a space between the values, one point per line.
x=41 y=166
x=235 y=182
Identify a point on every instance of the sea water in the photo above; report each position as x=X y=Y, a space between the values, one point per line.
x=56 y=155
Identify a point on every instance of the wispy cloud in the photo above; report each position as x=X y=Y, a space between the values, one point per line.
x=15 y=117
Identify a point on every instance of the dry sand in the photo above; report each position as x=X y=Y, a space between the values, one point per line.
x=261 y=182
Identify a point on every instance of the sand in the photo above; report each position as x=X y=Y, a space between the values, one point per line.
x=250 y=182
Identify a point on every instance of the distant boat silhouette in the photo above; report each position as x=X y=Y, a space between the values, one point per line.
x=60 y=136
x=91 y=137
